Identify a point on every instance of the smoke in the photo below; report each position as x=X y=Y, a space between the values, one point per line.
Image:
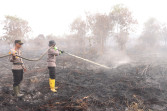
x=114 y=58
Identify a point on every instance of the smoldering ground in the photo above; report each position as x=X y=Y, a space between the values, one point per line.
x=137 y=82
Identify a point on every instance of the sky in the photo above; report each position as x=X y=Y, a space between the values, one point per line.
x=55 y=16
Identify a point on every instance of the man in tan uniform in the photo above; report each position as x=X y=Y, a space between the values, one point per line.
x=17 y=67
x=52 y=53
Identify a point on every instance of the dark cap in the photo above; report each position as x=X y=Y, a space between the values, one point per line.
x=52 y=43
x=19 y=42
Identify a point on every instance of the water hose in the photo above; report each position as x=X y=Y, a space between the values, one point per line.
x=5 y=56
x=37 y=59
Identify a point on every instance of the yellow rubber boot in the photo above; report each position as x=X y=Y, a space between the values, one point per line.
x=52 y=85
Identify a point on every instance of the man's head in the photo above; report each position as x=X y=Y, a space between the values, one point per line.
x=52 y=43
x=18 y=43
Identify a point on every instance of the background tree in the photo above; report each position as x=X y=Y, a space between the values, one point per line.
x=164 y=34
x=79 y=28
x=123 y=21
x=40 y=39
x=99 y=26
x=151 y=33
x=15 y=28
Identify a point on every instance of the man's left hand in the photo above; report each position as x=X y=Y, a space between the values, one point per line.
x=62 y=51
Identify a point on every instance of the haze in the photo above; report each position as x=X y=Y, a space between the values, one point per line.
x=55 y=16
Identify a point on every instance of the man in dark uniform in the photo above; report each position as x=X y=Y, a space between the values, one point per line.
x=17 y=67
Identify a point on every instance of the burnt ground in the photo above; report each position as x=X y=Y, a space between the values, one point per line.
x=129 y=87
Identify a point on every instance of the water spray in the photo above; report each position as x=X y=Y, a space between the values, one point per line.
x=87 y=60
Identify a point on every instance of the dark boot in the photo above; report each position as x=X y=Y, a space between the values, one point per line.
x=19 y=89
x=16 y=91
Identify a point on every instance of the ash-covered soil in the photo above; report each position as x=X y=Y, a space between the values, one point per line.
x=130 y=87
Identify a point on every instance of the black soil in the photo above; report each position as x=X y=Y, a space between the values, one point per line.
x=87 y=89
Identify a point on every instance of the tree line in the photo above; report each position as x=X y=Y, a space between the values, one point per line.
x=95 y=30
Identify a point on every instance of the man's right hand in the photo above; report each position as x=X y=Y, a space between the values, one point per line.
x=14 y=54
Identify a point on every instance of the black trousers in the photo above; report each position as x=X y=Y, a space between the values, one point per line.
x=52 y=72
x=17 y=77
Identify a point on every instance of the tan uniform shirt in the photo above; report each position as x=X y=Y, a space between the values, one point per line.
x=52 y=53
x=17 y=61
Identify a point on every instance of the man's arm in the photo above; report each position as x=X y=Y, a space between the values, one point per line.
x=54 y=52
x=12 y=56
x=21 y=60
